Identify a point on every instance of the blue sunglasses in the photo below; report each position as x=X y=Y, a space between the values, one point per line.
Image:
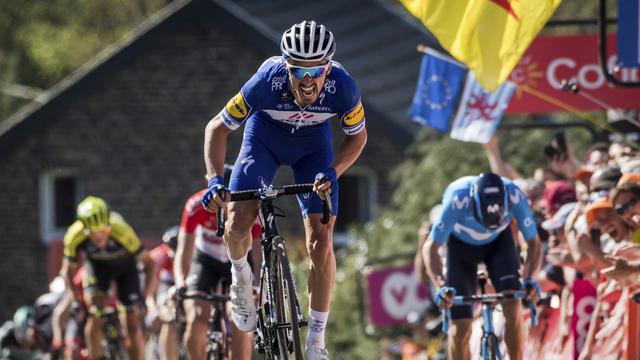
x=314 y=72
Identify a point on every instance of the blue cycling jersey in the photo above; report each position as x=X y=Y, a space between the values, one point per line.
x=279 y=132
x=267 y=97
x=457 y=216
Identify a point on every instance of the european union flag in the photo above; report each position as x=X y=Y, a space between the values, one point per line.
x=440 y=82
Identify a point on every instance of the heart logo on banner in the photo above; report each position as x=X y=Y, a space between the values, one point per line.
x=400 y=295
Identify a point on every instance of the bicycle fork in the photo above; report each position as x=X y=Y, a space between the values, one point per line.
x=487 y=331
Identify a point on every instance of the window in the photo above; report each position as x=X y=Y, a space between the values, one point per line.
x=357 y=201
x=59 y=192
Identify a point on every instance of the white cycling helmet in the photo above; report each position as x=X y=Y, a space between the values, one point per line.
x=308 y=41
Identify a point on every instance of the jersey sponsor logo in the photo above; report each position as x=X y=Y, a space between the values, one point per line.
x=354 y=129
x=330 y=86
x=301 y=116
x=237 y=108
x=319 y=108
x=493 y=208
x=515 y=197
x=298 y=118
x=528 y=222
x=355 y=116
x=277 y=83
x=247 y=162
x=476 y=235
x=460 y=204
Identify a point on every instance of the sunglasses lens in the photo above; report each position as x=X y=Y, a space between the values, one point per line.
x=301 y=72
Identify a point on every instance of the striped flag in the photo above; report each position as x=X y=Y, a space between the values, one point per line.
x=480 y=112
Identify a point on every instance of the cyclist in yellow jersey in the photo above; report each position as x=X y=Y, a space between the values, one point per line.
x=111 y=251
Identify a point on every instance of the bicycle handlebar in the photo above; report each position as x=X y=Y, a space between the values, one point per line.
x=220 y=215
x=489 y=299
x=273 y=193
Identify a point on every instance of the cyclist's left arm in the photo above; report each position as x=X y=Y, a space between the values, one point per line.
x=349 y=151
x=150 y=275
x=527 y=225
x=353 y=120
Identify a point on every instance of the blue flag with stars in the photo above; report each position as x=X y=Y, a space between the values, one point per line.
x=435 y=101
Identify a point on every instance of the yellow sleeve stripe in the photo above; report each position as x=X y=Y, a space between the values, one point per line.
x=354 y=117
x=238 y=108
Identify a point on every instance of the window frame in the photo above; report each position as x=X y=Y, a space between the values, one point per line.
x=46 y=196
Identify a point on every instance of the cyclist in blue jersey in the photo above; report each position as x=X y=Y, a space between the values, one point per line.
x=475 y=224
x=286 y=107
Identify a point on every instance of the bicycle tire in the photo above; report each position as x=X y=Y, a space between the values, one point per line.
x=288 y=286
x=492 y=347
x=269 y=341
x=214 y=352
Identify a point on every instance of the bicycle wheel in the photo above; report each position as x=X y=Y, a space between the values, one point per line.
x=267 y=337
x=287 y=301
x=490 y=347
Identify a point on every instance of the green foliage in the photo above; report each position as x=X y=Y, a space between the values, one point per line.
x=41 y=42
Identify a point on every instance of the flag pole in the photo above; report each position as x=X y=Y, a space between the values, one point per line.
x=423 y=49
x=575 y=89
x=568 y=108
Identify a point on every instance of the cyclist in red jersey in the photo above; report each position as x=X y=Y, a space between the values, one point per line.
x=203 y=271
x=162 y=310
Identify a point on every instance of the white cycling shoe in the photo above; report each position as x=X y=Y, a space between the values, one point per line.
x=243 y=306
x=316 y=353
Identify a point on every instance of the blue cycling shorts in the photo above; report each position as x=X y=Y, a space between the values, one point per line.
x=500 y=257
x=266 y=145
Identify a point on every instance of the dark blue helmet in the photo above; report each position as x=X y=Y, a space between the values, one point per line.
x=490 y=200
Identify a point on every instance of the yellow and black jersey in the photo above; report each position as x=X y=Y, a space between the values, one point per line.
x=123 y=242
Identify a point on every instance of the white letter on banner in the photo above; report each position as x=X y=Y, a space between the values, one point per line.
x=583 y=79
x=551 y=71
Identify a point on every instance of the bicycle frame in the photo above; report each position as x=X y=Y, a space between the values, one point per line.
x=277 y=289
x=489 y=341
x=218 y=333
x=267 y=215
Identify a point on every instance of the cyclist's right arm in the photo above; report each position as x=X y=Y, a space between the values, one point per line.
x=72 y=240
x=237 y=110
x=182 y=260
x=215 y=150
x=191 y=216
x=440 y=232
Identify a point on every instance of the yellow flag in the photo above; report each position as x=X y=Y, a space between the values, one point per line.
x=489 y=36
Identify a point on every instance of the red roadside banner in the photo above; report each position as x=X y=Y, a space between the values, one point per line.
x=551 y=59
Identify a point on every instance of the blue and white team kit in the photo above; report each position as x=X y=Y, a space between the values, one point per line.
x=279 y=132
x=470 y=243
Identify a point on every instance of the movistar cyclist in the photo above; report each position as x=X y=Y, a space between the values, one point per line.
x=286 y=107
x=475 y=224
x=112 y=251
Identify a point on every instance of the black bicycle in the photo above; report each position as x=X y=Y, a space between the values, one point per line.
x=490 y=347
x=219 y=333
x=279 y=315
x=112 y=341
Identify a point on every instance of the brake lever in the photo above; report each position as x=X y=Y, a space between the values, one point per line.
x=325 y=197
x=220 y=215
